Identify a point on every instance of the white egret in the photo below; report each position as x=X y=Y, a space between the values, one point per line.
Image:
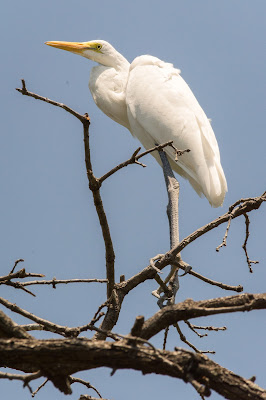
x=150 y=98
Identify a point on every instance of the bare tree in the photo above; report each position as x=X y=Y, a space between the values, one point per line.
x=34 y=358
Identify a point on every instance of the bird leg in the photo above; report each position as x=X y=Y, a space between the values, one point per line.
x=172 y=187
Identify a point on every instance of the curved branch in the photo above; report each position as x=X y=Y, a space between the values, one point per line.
x=193 y=309
x=94 y=184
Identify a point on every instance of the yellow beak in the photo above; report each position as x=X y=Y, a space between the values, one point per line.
x=74 y=47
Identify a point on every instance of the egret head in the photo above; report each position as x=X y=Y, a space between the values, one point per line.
x=96 y=50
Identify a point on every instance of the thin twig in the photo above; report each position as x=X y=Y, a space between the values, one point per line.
x=26 y=378
x=39 y=388
x=225 y=236
x=85 y=383
x=47 y=324
x=244 y=247
x=206 y=328
x=184 y=339
x=18 y=285
x=134 y=159
x=192 y=327
x=16 y=263
x=55 y=281
x=165 y=336
x=182 y=265
x=25 y=92
x=21 y=274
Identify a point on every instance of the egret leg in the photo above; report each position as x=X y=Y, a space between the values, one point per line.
x=172 y=186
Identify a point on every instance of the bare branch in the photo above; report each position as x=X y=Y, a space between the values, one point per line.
x=123 y=288
x=39 y=388
x=85 y=383
x=16 y=263
x=25 y=92
x=87 y=397
x=193 y=309
x=55 y=282
x=21 y=274
x=249 y=261
x=9 y=329
x=26 y=378
x=246 y=206
x=225 y=236
x=94 y=185
x=182 y=265
x=73 y=355
x=134 y=159
x=47 y=324
x=184 y=339
x=207 y=328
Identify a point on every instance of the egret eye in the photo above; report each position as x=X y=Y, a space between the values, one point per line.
x=99 y=46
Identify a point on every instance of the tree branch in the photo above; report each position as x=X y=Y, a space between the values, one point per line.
x=134 y=159
x=94 y=184
x=123 y=288
x=75 y=355
x=193 y=309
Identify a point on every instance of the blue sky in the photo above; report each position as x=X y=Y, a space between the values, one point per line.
x=48 y=217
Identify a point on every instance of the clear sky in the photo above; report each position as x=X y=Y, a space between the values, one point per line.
x=47 y=214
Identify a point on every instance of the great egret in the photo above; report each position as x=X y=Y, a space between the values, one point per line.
x=150 y=98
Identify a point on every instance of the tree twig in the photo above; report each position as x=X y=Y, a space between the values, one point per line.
x=55 y=281
x=184 y=339
x=16 y=263
x=85 y=383
x=134 y=159
x=21 y=274
x=25 y=92
x=94 y=184
x=249 y=261
x=39 y=388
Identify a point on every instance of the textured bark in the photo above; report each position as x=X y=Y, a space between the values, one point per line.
x=194 y=309
x=8 y=328
x=57 y=359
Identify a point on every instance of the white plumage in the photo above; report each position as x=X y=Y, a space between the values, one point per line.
x=150 y=98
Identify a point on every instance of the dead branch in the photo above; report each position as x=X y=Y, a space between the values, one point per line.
x=9 y=329
x=244 y=247
x=182 y=265
x=21 y=274
x=73 y=355
x=94 y=185
x=194 y=328
x=55 y=282
x=85 y=383
x=25 y=92
x=15 y=264
x=193 y=309
x=134 y=158
x=25 y=378
x=184 y=339
x=39 y=388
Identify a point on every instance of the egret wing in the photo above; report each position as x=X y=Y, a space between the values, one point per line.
x=162 y=107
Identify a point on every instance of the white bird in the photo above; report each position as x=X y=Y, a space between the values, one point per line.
x=150 y=98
